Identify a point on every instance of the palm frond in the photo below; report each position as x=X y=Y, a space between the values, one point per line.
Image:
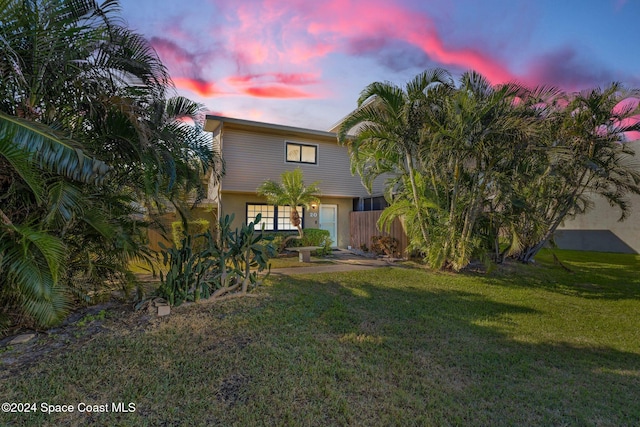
x=51 y=151
x=22 y=165
x=31 y=265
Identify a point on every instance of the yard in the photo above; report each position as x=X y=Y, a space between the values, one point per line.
x=524 y=345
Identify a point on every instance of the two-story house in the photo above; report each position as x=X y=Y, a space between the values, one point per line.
x=255 y=152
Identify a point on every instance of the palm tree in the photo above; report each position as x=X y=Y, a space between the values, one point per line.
x=384 y=133
x=588 y=157
x=469 y=135
x=291 y=191
x=76 y=85
x=62 y=58
x=37 y=173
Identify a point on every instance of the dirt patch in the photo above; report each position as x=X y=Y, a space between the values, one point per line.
x=231 y=389
x=81 y=327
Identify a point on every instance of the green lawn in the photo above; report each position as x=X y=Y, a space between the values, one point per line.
x=278 y=262
x=528 y=345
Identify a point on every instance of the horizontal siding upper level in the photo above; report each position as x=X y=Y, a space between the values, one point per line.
x=254 y=157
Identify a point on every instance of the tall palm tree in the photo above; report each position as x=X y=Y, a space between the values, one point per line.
x=384 y=133
x=469 y=134
x=291 y=191
x=61 y=58
x=589 y=157
x=75 y=85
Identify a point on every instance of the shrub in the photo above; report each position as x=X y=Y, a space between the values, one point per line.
x=384 y=245
x=277 y=239
x=317 y=237
x=326 y=247
x=314 y=237
x=196 y=228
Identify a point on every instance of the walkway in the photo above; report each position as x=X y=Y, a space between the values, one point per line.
x=344 y=261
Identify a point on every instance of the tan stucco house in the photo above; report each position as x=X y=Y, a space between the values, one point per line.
x=255 y=152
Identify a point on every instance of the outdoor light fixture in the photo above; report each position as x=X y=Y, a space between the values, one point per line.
x=314 y=205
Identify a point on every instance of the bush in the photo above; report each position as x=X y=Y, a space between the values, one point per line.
x=317 y=237
x=314 y=237
x=277 y=239
x=197 y=228
x=384 y=245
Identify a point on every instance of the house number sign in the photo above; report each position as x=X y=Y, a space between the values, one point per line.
x=313 y=214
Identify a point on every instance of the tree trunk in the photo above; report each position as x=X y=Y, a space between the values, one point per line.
x=533 y=251
x=414 y=189
x=294 y=217
x=4 y=218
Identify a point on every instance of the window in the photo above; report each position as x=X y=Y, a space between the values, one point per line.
x=268 y=215
x=369 y=204
x=274 y=218
x=301 y=153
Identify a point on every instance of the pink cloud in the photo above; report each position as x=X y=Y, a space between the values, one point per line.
x=626 y=105
x=276 y=91
x=273 y=85
x=300 y=32
x=631 y=122
x=628 y=108
x=276 y=48
x=186 y=67
x=381 y=21
x=170 y=52
x=632 y=136
x=284 y=78
x=201 y=87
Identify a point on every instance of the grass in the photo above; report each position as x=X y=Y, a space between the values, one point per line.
x=294 y=262
x=527 y=345
x=279 y=262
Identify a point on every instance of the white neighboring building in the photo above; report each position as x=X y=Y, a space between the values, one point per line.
x=600 y=230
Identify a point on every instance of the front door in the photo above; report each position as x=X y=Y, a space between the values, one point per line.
x=329 y=221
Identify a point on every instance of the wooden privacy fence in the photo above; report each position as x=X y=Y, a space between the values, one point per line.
x=156 y=235
x=364 y=225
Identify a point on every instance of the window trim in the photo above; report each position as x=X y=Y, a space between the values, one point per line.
x=300 y=144
x=275 y=217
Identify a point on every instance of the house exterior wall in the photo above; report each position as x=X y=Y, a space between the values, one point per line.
x=253 y=157
x=255 y=152
x=600 y=230
x=236 y=203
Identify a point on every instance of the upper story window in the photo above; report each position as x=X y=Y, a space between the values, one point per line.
x=302 y=153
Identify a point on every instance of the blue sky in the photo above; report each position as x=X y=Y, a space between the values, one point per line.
x=303 y=63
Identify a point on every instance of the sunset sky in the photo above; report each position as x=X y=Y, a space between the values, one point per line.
x=303 y=63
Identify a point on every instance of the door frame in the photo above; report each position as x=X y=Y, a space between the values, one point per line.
x=335 y=222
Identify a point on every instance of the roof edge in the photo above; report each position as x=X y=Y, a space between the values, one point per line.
x=213 y=122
